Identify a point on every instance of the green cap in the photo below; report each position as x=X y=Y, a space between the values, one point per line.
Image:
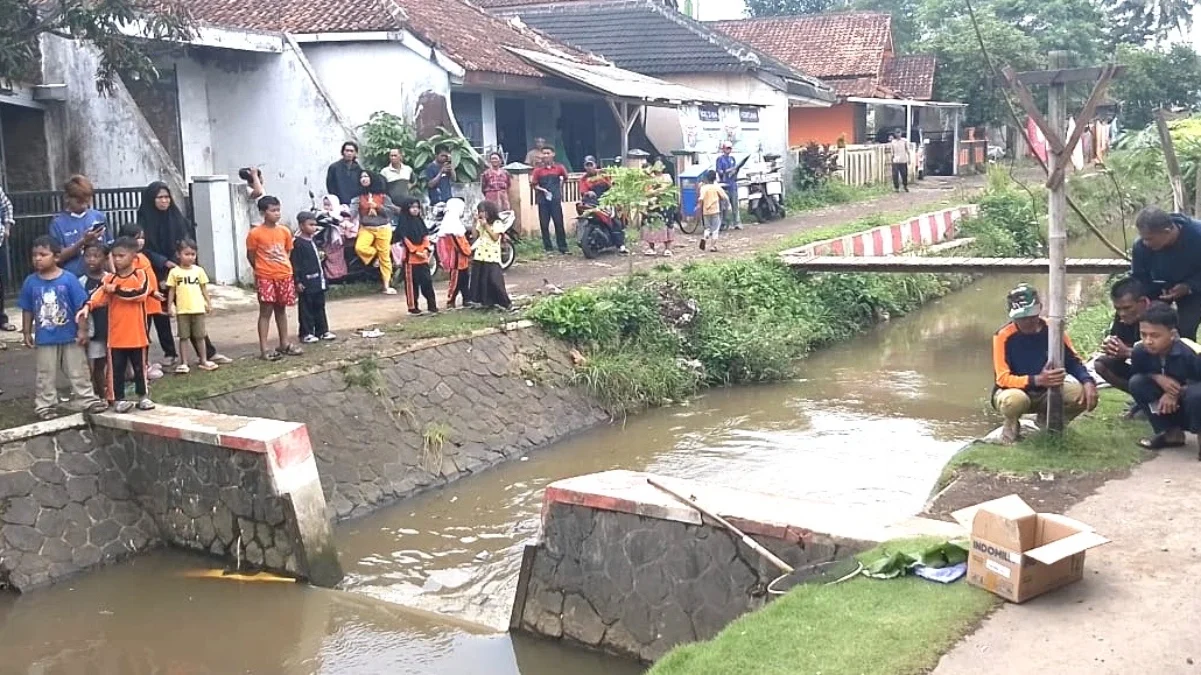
x=1023 y=302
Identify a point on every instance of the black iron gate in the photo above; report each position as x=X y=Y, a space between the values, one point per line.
x=33 y=212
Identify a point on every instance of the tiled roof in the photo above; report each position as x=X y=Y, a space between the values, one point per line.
x=646 y=37
x=835 y=45
x=857 y=86
x=461 y=30
x=911 y=76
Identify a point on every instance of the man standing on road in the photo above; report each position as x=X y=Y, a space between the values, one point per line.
x=547 y=181
x=727 y=173
x=342 y=178
x=440 y=178
x=1167 y=262
x=899 y=147
x=7 y=221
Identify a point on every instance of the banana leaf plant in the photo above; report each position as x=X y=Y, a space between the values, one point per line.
x=465 y=160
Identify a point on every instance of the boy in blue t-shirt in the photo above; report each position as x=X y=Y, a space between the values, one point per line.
x=49 y=300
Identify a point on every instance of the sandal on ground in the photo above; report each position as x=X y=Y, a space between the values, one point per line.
x=271 y=356
x=291 y=350
x=207 y=365
x=97 y=407
x=221 y=359
x=182 y=369
x=46 y=415
x=8 y=328
x=1160 y=442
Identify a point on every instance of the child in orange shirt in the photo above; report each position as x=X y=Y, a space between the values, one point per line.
x=156 y=316
x=269 y=249
x=125 y=293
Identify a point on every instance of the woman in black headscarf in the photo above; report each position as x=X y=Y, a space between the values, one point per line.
x=165 y=226
x=416 y=240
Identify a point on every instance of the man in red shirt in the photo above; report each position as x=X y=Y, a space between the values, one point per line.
x=547 y=181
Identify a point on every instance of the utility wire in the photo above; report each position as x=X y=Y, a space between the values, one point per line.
x=1021 y=131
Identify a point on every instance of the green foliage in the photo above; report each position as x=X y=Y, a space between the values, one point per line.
x=1138 y=22
x=659 y=337
x=383 y=132
x=1156 y=77
x=465 y=160
x=1140 y=155
x=104 y=24
x=831 y=193
x=1007 y=222
x=859 y=627
x=790 y=7
x=635 y=190
x=816 y=164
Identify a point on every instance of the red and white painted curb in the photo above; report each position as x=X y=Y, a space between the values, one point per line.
x=917 y=232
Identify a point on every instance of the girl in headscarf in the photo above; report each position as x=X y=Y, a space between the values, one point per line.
x=417 y=252
x=164 y=226
x=454 y=251
x=373 y=211
x=333 y=237
x=487 y=276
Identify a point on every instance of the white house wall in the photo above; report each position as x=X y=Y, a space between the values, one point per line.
x=105 y=137
x=663 y=124
x=365 y=77
x=241 y=109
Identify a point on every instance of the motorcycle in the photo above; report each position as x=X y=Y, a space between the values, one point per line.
x=765 y=191
x=436 y=219
x=598 y=230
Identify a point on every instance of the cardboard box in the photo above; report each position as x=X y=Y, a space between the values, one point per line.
x=1019 y=554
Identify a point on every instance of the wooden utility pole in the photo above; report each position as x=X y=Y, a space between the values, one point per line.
x=1169 y=160
x=1059 y=157
x=1057 y=238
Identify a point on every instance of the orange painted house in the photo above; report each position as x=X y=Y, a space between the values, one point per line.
x=850 y=51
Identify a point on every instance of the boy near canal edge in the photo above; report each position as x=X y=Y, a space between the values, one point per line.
x=95 y=258
x=1164 y=375
x=188 y=301
x=310 y=281
x=126 y=293
x=49 y=301
x=269 y=249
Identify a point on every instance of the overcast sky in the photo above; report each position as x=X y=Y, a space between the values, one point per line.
x=714 y=10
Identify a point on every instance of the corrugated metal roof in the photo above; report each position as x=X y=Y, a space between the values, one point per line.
x=624 y=84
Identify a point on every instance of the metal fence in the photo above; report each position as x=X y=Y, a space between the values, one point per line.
x=33 y=212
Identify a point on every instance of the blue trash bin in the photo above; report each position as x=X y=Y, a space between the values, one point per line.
x=690 y=188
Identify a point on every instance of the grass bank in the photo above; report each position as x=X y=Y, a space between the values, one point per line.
x=860 y=627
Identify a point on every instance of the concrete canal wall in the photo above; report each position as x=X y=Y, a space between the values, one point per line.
x=389 y=427
x=75 y=495
x=625 y=568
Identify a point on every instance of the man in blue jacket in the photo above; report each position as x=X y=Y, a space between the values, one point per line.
x=1167 y=262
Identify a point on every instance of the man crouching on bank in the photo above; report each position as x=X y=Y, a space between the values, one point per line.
x=1020 y=365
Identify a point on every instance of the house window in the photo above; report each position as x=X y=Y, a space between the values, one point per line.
x=469 y=113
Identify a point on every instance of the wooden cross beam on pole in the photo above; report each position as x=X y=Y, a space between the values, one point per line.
x=1054 y=127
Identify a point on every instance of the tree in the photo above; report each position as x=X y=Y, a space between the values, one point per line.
x=789 y=7
x=118 y=29
x=1137 y=22
x=962 y=73
x=905 y=27
x=1156 y=78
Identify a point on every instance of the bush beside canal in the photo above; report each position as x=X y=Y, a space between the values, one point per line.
x=649 y=339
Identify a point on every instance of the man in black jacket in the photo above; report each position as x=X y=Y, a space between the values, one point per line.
x=1167 y=262
x=342 y=178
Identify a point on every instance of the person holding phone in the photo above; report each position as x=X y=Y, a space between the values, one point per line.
x=1166 y=260
x=440 y=178
x=78 y=225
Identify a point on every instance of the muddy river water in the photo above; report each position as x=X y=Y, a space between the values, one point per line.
x=430 y=582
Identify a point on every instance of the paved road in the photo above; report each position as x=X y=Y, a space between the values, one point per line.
x=1137 y=609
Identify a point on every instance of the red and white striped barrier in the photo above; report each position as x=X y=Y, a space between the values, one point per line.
x=917 y=232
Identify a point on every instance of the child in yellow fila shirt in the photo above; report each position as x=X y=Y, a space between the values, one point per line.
x=188 y=301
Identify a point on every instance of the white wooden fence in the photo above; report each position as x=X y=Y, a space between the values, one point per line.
x=865 y=164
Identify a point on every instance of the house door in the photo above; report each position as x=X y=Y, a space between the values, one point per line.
x=578 y=122
x=510 y=128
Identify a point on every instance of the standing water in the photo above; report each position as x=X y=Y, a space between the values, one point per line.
x=869 y=422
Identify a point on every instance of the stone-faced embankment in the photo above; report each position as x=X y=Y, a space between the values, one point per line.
x=76 y=494
x=395 y=424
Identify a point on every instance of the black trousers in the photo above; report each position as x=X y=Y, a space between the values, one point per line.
x=1188 y=311
x=1187 y=416
x=311 y=308
x=417 y=280
x=162 y=327
x=3 y=290
x=900 y=176
x=118 y=361
x=548 y=211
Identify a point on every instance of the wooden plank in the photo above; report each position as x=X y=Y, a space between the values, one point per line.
x=1036 y=78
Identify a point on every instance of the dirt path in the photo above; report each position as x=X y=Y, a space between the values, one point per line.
x=1137 y=609
x=235 y=331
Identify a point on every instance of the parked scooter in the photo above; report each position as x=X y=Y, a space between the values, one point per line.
x=765 y=190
